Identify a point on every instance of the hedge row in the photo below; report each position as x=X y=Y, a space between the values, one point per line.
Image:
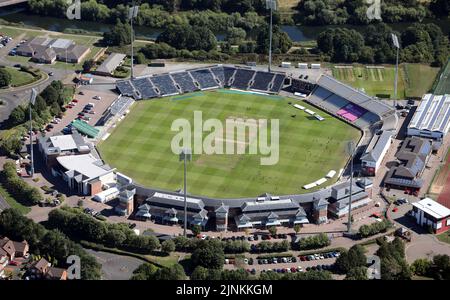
x=18 y=188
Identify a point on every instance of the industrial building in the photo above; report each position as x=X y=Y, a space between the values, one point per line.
x=432 y=117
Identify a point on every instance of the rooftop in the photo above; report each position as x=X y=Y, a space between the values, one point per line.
x=433 y=113
x=432 y=208
x=85 y=164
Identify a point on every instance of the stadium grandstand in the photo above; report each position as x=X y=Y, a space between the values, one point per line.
x=162 y=85
x=432 y=117
x=350 y=104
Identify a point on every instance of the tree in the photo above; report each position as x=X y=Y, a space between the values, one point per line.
x=208 y=254
x=144 y=272
x=272 y=230
x=168 y=246
x=175 y=272
x=88 y=65
x=200 y=273
x=50 y=94
x=351 y=259
x=5 y=78
x=421 y=266
x=185 y=36
x=357 y=273
x=118 y=36
x=297 y=228
x=196 y=229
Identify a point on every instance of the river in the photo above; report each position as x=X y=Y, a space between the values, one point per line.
x=296 y=33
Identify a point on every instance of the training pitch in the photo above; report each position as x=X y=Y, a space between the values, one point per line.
x=140 y=146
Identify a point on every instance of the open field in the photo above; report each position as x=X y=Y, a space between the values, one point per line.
x=140 y=146
x=19 y=78
x=443 y=87
x=12 y=202
x=414 y=79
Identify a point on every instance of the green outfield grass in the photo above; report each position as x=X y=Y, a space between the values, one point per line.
x=140 y=146
x=414 y=79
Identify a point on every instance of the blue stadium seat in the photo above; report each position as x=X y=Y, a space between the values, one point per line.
x=184 y=80
x=262 y=81
x=165 y=84
x=242 y=79
x=204 y=78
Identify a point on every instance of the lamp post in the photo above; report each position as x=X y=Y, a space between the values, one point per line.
x=271 y=5
x=185 y=156
x=396 y=45
x=132 y=14
x=32 y=101
x=351 y=151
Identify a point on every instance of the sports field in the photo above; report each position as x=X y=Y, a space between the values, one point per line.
x=414 y=79
x=140 y=146
x=443 y=86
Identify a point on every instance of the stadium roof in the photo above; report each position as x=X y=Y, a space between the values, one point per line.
x=432 y=208
x=253 y=206
x=174 y=200
x=433 y=113
x=353 y=95
x=85 y=128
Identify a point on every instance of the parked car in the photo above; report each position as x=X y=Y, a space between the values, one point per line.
x=14 y=263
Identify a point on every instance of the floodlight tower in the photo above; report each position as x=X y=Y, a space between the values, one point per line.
x=272 y=6
x=185 y=156
x=351 y=151
x=132 y=15
x=396 y=45
x=32 y=101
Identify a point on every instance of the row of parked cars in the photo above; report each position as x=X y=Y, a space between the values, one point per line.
x=256 y=237
x=333 y=254
x=277 y=260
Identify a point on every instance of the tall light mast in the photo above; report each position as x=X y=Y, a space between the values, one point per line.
x=132 y=15
x=272 y=6
x=396 y=45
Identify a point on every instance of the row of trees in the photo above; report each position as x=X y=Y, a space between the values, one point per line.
x=421 y=43
x=268 y=247
x=50 y=102
x=313 y=242
x=49 y=243
x=80 y=226
x=438 y=268
x=18 y=188
x=104 y=7
x=375 y=228
x=230 y=247
x=151 y=272
x=152 y=16
x=328 y=12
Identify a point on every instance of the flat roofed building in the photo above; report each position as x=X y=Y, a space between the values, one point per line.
x=54 y=146
x=85 y=173
x=432 y=117
x=375 y=152
x=431 y=214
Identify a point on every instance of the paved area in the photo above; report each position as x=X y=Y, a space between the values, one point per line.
x=107 y=98
x=16 y=96
x=115 y=267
